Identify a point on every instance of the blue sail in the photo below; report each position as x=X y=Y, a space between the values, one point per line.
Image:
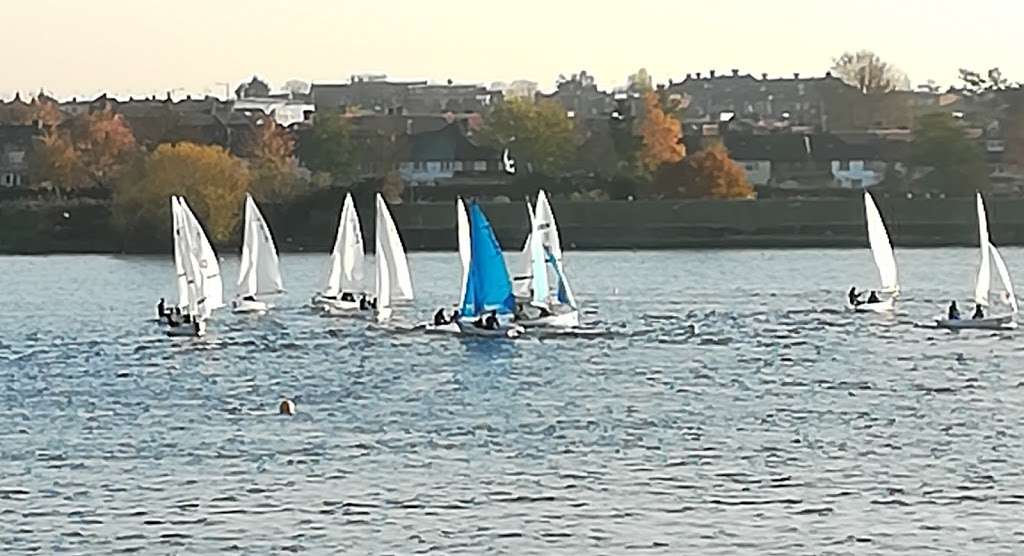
x=488 y=287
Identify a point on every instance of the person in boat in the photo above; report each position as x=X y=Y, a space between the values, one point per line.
x=363 y=305
x=979 y=313
x=372 y=303
x=491 y=321
x=954 y=311
x=854 y=296
x=873 y=297
x=161 y=309
x=348 y=296
x=195 y=326
x=456 y=315
x=250 y=298
x=440 y=318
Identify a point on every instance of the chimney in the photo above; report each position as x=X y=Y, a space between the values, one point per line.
x=698 y=75
x=828 y=75
x=688 y=76
x=735 y=72
x=764 y=76
x=712 y=74
x=796 y=75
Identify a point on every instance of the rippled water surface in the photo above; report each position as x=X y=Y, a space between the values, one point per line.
x=722 y=403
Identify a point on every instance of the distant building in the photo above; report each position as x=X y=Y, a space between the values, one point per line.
x=444 y=154
x=16 y=142
x=286 y=112
x=375 y=94
x=581 y=98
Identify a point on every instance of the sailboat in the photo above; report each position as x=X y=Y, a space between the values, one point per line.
x=487 y=289
x=983 y=284
x=465 y=254
x=343 y=277
x=392 y=280
x=200 y=248
x=189 y=279
x=549 y=301
x=259 y=271
x=885 y=260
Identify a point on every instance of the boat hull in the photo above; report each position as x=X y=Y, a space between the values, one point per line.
x=1004 y=322
x=503 y=331
x=246 y=306
x=570 y=319
x=886 y=306
x=187 y=331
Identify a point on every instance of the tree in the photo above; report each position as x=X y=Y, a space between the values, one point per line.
x=868 y=73
x=105 y=145
x=329 y=148
x=255 y=88
x=213 y=181
x=272 y=158
x=709 y=173
x=957 y=163
x=55 y=160
x=541 y=134
x=640 y=82
x=1015 y=127
x=662 y=136
x=974 y=83
x=296 y=87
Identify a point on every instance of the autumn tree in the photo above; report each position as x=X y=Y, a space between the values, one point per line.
x=957 y=163
x=328 y=148
x=212 y=180
x=707 y=174
x=104 y=144
x=55 y=161
x=868 y=73
x=662 y=136
x=541 y=134
x=272 y=157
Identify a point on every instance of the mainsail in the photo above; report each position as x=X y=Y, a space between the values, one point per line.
x=488 y=287
x=881 y=248
x=260 y=271
x=345 y=267
x=200 y=248
x=393 y=282
x=981 y=288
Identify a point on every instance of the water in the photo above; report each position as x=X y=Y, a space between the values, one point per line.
x=725 y=404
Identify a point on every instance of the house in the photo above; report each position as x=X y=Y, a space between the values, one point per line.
x=286 y=112
x=16 y=142
x=445 y=154
x=581 y=98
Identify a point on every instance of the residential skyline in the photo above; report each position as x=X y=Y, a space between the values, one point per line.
x=193 y=47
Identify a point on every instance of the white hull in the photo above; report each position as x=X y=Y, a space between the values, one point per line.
x=244 y=306
x=564 y=320
x=187 y=331
x=343 y=309
x=503 y=331
x=886 y=306
x=449 y=328
x=1004 y=322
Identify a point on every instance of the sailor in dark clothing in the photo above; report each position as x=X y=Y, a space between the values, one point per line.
x=854 y=296
x=491 y=321
x=348 y=296
x=363 y=305
x=954 y=312
x=161 y=309
x=873 y=297
x=439 y=318
x=249 y=298
x=979 y=313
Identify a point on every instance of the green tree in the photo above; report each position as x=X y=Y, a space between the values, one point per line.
x=212 y=180
x=640 y=82
x=957 y=163
x=541 y=134
x=329 y=148
x=707 y=174
x=868 y=73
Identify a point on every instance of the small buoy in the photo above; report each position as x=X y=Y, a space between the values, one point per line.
x=66 y=215
x=287 y=407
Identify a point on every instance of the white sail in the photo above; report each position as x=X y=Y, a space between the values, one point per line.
x=538 y=282
x=199 y=244
x=546 y=224
x=197 y=303
x=522 y=278
x=981 y=288
x=178 y=232
x=260 y=269
x=465 y=244
x=881 y=248
x=1004 y=276
x=393 y=282
x=345 y=267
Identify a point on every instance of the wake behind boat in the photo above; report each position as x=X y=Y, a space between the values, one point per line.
x=259 y=272
x=885 y=261
x=983 y=284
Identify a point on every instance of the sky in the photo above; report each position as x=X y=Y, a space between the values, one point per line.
x=131 y=47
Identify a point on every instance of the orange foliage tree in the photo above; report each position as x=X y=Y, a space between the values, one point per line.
x=105 y=146
x=662 y=136
x=272 y=155
x=212 y=180
x=707 y=174
x=55 y=160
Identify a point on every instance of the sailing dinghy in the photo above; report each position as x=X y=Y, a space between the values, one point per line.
x=259 y=271
x=989 y=254
x=885 y=260
x=392 y=280
x=200 y=248
x=549 y=301
x=462 y=232
x=190 y=280
x=343 y=277
x=488 y=304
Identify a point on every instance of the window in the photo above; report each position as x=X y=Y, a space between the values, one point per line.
x=446 y=165
x=480 y=166
x=458 y=165
x=418 y=165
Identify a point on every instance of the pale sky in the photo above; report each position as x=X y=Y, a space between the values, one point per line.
x=142 y=47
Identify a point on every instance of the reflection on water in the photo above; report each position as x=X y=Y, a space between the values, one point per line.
x=718 y=403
